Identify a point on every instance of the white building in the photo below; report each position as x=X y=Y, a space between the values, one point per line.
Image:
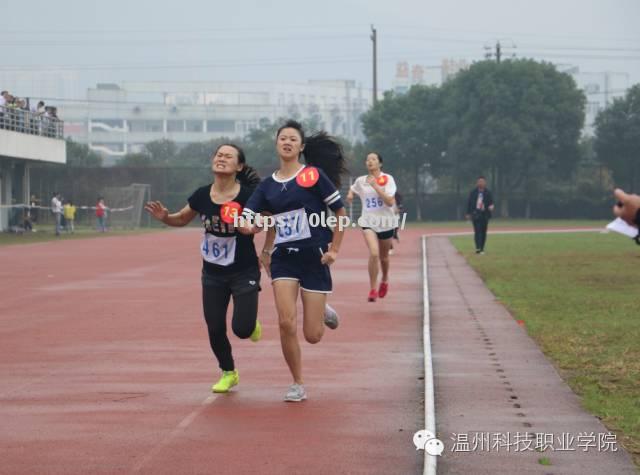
x=120 y=119
x=451 y=67
x=418 y=74
x=600 y=88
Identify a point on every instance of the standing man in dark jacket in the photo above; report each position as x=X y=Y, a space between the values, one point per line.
x=479 y=208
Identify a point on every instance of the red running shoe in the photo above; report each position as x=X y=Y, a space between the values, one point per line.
x=373 y=295
x=384 y=288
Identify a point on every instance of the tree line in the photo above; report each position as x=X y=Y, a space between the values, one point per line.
x=517 y=122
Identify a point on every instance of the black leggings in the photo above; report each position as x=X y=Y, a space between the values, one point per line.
x=215 y=301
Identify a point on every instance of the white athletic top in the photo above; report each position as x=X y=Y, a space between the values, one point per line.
x=375 y=214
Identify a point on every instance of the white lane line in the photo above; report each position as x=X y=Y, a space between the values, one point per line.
x=430 y=462
x=177 y=431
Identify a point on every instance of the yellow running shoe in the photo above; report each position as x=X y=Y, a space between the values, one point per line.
x=257 y=332
x=228 y=380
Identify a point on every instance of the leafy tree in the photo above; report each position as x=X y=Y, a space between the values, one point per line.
x=137 y=160
x=517 y=122
x=162 y=151
x=618 y=139
x=408 y=131
x=158 y=153
x=80 y=155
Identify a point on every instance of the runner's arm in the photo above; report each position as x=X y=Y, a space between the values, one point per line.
x=159 y=212
x=350 y=197
x=331 y=255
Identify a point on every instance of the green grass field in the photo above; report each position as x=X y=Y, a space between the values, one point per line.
x=47 y=233
x=511 y=223
x=579 y=295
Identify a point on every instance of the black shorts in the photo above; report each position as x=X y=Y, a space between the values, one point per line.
x=240 y=282
x=383 y=234
x=302 y=264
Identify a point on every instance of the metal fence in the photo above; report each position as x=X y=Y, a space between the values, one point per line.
x=27 y=122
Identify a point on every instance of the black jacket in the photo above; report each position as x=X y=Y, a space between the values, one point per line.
x=471 y=204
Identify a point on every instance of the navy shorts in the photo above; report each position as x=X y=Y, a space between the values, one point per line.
x=302 y=264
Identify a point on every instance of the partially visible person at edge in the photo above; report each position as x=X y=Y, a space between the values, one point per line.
x=230 y=266
x=479 y=208
x=299 y=261
x=627 y=207
x=399 y=209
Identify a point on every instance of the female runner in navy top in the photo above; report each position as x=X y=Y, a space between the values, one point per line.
x=296 y=196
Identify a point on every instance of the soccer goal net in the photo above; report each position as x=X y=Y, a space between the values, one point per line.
x=125 y=204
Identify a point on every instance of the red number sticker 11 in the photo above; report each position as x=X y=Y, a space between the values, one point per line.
x=308 y=177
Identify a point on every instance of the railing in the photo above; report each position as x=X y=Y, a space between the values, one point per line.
x=26 y=122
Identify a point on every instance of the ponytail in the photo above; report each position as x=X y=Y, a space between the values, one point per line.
x=321 y=150
x=248 y=176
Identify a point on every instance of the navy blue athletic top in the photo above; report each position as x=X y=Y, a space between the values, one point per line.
x=293 y=207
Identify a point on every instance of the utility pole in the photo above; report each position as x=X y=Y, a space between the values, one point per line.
x=499 y=46
x=374 y=39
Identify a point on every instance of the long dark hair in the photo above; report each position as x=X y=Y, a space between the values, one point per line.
x=248 y=175
x=321 y=150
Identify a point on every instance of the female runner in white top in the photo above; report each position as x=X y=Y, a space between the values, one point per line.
x=377 y=192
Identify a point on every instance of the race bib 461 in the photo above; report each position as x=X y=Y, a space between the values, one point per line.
x=218 y=250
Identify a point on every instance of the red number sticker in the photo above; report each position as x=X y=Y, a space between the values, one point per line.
x=308 y=177
x=382 y=180
x=229 y=211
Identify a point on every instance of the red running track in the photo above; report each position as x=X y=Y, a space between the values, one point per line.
x=105 y=368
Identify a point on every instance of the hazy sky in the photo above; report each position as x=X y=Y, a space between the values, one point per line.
x=116 y=40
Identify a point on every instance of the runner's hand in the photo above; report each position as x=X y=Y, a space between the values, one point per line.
x=265 y=262
x=157 y=210
x=329 y=257
x=630 y=204
x=371 y=180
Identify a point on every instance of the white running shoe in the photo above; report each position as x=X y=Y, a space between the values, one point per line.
x=296 y=393
x=331 y=318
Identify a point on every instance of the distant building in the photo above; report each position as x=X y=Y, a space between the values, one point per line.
x=600 y=88
x=401 y=83
x=418 y=74
x=120 y=119
x=451 y=67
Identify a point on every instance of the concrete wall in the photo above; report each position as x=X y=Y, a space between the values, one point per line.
x=6 y=175
x=32 y=147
